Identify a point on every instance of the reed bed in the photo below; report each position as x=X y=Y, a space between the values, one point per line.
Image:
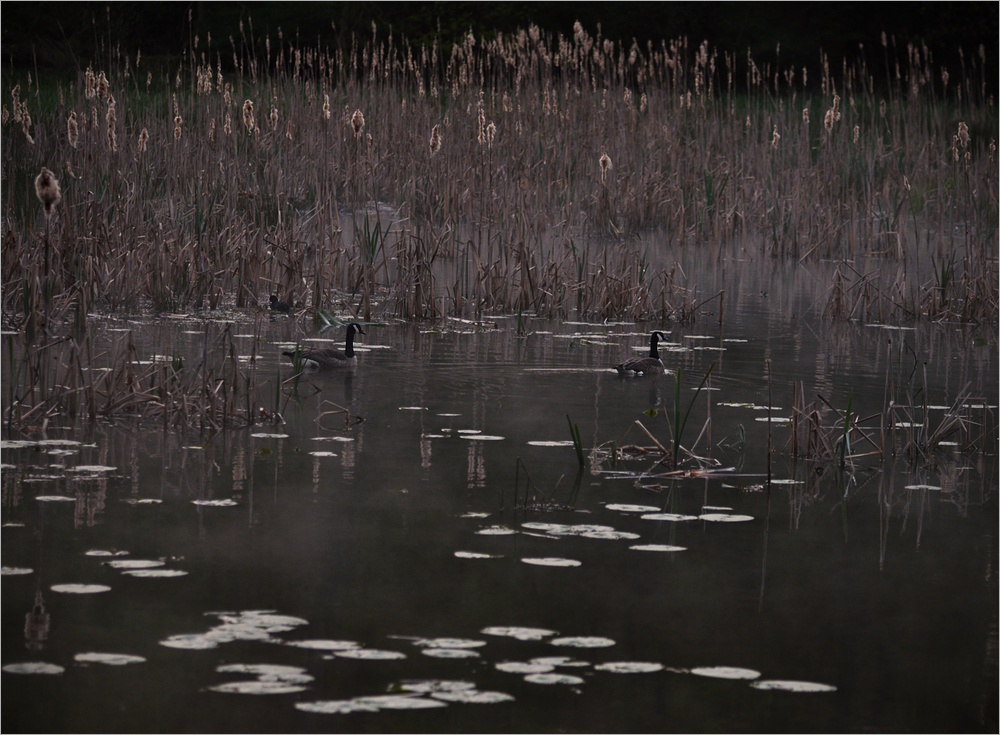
x=526 y=172
x=69 y=378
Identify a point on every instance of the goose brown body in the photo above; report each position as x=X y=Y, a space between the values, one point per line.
x=326 y=358
x=649 y=365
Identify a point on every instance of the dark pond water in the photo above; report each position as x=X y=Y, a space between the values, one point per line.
x=387 y=577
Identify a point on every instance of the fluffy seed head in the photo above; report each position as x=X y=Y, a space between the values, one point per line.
x=775 y=137
x=605 y=165
x=248 y=120
x=491 y=131
x=47 y=190
x=963 y=134
x=357 y=122
x=89 y=81
x=326 y=106
x=857 y=133
x=143 y=140
x=26 y=123
x=72 y=130
x=178 y=120
x=435 y=144
x=102 y=86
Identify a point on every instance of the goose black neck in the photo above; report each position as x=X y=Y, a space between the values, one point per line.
x=653 y=339
x=352 y=329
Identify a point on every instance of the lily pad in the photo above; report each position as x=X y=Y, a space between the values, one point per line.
x=449 y=653
x=780 y=685
x=476 y=555
x=371 y=654
x=583 y=642
x=473 y=697
x=551 y=561
x=109 y=659
x=629 y=667
x=33 y=667
x=552 y=679
x=524 y=667
x=156 y=573
x=725 y=672
x=627 y=508
x=80 y=589
x=674 y=517
x=134 y=564
x=725 y=517
x=521 y=634
x=325 y=645
x=257 y=686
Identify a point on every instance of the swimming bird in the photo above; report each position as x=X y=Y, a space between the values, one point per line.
x=282 y=306
x=650 y=365
x=326 y=358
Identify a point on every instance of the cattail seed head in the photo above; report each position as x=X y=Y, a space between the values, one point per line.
x=228 y=127
x=491 y=131
x=963 y=134
x=828 y=120
x=357 y=122
x=605 y=165
x=15 y=95
x=89 y=82
x=775 y=137
x=102 y=86
x=26 y=123
x=857 y=133
x=211 y=131
x=72 y=130
x=248 y=120
x=143 y=140
x=178 y=120
x=274 y=117
x=435 y=144
x=326 y=106
x=47 y=190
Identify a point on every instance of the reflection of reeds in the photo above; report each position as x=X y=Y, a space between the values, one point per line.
x=65 y=377
x=568 y=156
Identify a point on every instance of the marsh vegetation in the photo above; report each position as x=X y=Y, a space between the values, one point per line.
x=817 y=252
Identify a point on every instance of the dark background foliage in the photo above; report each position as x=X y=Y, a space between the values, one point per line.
x=68 y=35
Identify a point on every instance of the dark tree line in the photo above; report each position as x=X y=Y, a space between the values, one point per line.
x=68 y=34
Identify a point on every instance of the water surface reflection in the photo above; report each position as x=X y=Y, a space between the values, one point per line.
x=436 y=559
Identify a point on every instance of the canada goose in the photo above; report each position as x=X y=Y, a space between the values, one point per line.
x=282 y=306
x=650 y=365
x=327 y=357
